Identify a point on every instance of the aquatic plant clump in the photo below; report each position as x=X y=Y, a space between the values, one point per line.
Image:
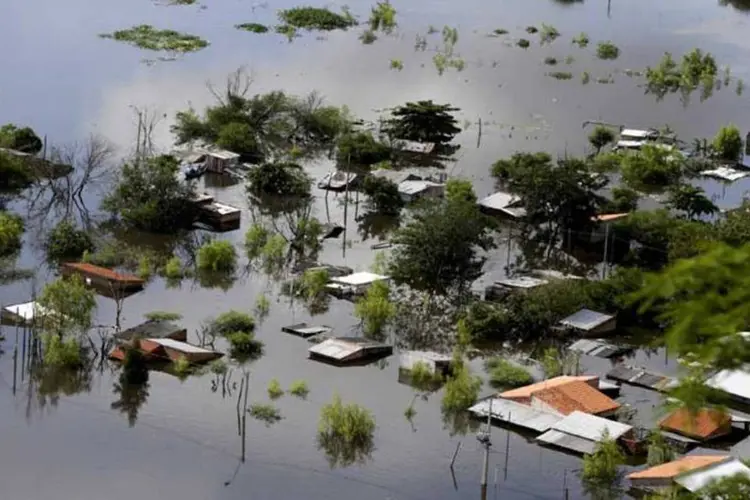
x=582 y=40
x=266 y=413
x=348 y=423
x=550 y=61
x=383 y=18
x=697 y=69
x=299 y=389
x=316 y=18
x=523 y=43
x=548 y=34
x=560 y=75
x=274 y=389
x=505 y=374
x=253 y=27
x=607 y=51
x=149 y=38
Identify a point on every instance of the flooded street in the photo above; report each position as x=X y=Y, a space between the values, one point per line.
x=66 y=83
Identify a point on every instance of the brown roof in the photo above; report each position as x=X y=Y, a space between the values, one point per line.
x=608 y=217
x=103 y=272
x=526 y=391
x=577 y=396
x=706 y=423
x=677 y=467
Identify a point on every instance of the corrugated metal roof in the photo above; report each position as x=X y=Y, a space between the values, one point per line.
x=516 y=414
x=361 y=278
x=336 y=349
x=151 y=329
x=733 y=382
x=586 y=319
x=725 y=173
x=415 y=187
x=414 y=146
x=634 y=132
x=522 y=282
x=180 y=346
x=396 y=176
x=597 y=347
x=499 y=201
x=697 y=479
x=568 y=441
x=590 y=426
x=223 y=154
x=630 y=144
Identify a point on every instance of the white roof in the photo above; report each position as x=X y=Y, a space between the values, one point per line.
x=27 y=311
x=415 y=147
x=733 y=382
x=499 y=200
x=414 y=187
x=726 y=173
x=630 y=144
x=590 y=427
x=696 y=479
x=522 y=282
x=568 y=441
x=633 y=132
x=223 y=154
x=516 y=414
x=224 y=209
x=179 y=346
x=361 y=278
x=338 y=349
x=586 y=319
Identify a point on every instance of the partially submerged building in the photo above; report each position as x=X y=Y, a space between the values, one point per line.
x=501 y=289
x=565 y=395
x=734 y=383
x=153 y=329
x=168 y=350
x=517 y=414
x=599 y=348
x=349 y=350
x=353 y=284
x=502 y=204
x=26 y=314
x=438 y=364
x=580 y=432
x=691 y=472
x=219 y=215
x=305 y=330
x=706 y=424
x=590 y=323
x=219 y=161
x=413 y=190
x=103 y=278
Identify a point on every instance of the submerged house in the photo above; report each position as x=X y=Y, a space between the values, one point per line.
x=691 y=473
x=218 y=161
x=104 y=278
x=590 y=323
x=219 y=215
x=349 y=350
x=707 y=424
x=165 y=350
x=354 y=284
x=598 y=348
x=26 y=314
x=734 y=383
x=412 y=191
x=437 y=363
x=580 y=432
x=153 y=329
x=501 y=289
x=565 y=395
x=502 y=204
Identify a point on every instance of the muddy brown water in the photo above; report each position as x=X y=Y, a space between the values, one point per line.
x=67 y=83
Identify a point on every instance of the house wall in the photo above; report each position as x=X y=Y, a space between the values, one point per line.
x=606 y=327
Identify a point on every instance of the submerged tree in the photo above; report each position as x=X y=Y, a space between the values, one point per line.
x=66 y=241
x=728 y=144
x=383 y=196
x=600 y=137
x=11 y=232
x=691 y=200
x=280 y=179
x=22 y=139
x=375 y=310
x=149 y=196
x=600 y=472
x=423 y=121
x=345 y=433
x=438 y=249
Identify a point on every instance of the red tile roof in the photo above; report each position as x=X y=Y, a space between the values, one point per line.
x=577 y=396
x=524 y=393
x=677 y=467
x=706 y=423
x=103 y=272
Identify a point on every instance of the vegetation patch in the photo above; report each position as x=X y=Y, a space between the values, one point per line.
x=287 y=30
x=274 y=389
x=299 y=389
x=582 y=40
x=697 y=69
x=500 y=32
x=368 y=37
x=383 y=18
x=266 y=413
x=316 y=18
x=345 y=426
x=162 y=316
x=375 y=309
x=149 y=38
x=531 y=30
x=560 y=75
x=217 y=256
x=607 y=51
x=181 y=367
x=523 y=43
x=11 y=231
x=253 y=27
x=550 y=61
x=585 y=78
x=505 y=374
x=548 y=34
x=461 y=389
x=397 y=64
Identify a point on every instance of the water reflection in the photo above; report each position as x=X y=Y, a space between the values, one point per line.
x=50 y=383
x=741 y=5
x=130 y=399
x=341 y=452
x=459 y=423
x=372 y=225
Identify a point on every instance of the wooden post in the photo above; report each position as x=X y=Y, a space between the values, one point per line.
x=606 y=248
x=507 y=449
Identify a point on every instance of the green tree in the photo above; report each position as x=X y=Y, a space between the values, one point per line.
x=361 y=148
x=14 y=173
x=437 y=250
x=691 y=200
x=217 y=256
x=652 y=169
x=20 y=139
x=71 y=304
x=237 y=137
x=600 y=137
x=149 y=196
x=66 y=241
x=659 y=451
x=423 y=121
x=460 y=189
x=728 y=144
x=505 y=374
x=279 y=179
x=623 y=200
x=345 y=432
x=382 y=195
x=11 y=232
x=461 y=389
x=375 y=309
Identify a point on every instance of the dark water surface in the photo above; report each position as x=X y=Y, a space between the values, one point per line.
x=67 y=83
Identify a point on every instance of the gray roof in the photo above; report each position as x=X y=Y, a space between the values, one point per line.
x=154 y=329
x=342 y=348
x=305 y=330
x=396 y=176
x=499 y=200
x=598 y=348
x=567 y=441
x=586 y=319
x=516 y=414
x=696 y=479
x=521 y=282
x=590 y=427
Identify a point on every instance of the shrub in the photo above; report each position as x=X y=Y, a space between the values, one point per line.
x=531 y=30
x=266 y=413
x=255 y=239
x=461 y=389
x=280 y=179
x=601 y=466
x=582 y=40
x=368 y=37
x=232 y=321
x=728 y=143
x=361 y=148
x=61 y=352
x=505 y=374
x=422 y=377
x=262 y=306
x=244 y=346
x=11 y=231
x=299 y=388
x=66 y=241
x=145 y=267
x=550 y=61
x=274 y=389
x=523 y=43
x=162 y=316
x=382 y=195
x=315 y=18
x=548 y=33
x=607 y=50
x=217 y=256
x=561 y=75
x=348 y=424
x=181 y=367
x=375 y=309
x=252 y=27
x=173 y=268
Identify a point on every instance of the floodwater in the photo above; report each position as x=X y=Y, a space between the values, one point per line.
x=65 y=82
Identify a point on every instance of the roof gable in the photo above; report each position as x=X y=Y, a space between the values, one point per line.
x=706 y=423
x=576 y=396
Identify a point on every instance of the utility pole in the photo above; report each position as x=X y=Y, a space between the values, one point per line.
x=484 y=439
x=606 y=249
